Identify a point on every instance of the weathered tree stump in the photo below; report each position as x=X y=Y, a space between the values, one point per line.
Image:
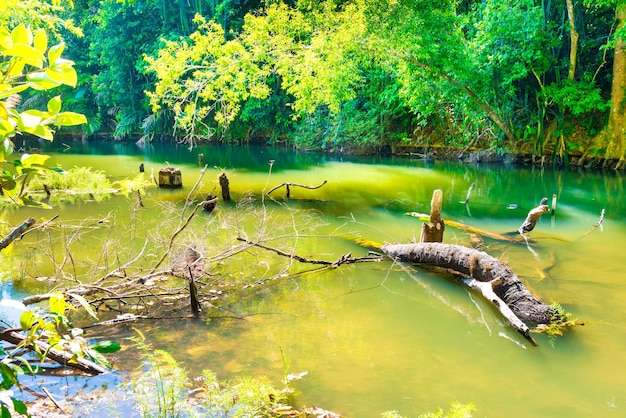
x=211 y=203
x=433 y=231
x=170 y=178
x=224 y=184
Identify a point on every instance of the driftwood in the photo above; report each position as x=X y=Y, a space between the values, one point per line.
x=484 y=268
x=288 y=185
x=533 y=217
x=60 y=356
x=17 y=232
x=433 y=231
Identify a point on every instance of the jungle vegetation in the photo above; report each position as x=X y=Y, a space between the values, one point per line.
x=544 y=78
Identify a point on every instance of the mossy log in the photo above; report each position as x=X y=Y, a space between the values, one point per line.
x=481 y=267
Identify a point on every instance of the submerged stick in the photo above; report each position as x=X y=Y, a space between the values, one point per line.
x=469 y=192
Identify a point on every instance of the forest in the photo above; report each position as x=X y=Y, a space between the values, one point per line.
x=540 y=79
x=358 y=111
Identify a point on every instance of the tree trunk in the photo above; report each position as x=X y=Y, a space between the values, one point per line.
x=481 y=267
x=573 y=50
x=616 y=134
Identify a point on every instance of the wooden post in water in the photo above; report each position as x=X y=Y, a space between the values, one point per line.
x=433 y=231
x=170 y=178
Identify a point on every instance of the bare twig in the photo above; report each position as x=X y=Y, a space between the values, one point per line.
x=288 y=185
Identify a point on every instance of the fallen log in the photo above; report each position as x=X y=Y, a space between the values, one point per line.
x=481 y=267
x=60 y=356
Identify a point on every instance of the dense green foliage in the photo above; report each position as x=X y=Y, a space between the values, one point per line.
x=504 y=76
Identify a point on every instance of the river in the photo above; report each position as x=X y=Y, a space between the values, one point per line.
x=373 y=337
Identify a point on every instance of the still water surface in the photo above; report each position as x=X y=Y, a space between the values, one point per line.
x=376 y=337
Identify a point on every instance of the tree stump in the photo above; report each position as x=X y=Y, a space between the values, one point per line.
x=170 y=178
x=433 y=231
x=224 y=184
x=211 y=203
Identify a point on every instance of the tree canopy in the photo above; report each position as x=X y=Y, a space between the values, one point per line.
x=527 y=76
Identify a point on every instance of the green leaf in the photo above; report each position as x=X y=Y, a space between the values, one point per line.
x=27 y=319
x=21 y=35
x=107 y=346
x=30 y=54
x=29 y=160
x=84 y=304
x=41 y=41
x=69 y=119
x=13 y=90
x=58 y=304
x=5 y=412
x=63 y=74
x=20 y=407
x=5 y=39
x=54 y=105
x=40 y=81
x=54 y=53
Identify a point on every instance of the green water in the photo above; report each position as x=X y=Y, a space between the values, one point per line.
x=375 y=337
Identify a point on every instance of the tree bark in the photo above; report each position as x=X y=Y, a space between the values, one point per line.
x=481 y=267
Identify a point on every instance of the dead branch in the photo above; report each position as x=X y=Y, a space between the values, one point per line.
x=17 y=232
x=288 y=185
x=60 y=356
x=533 y=217
x=344 y=259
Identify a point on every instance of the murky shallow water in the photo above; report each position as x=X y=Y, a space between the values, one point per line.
x=376 y=337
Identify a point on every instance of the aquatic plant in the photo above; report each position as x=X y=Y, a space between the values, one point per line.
x=457 y=410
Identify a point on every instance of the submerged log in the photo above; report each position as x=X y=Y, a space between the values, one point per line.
x=170 y=177
x=483 y=268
